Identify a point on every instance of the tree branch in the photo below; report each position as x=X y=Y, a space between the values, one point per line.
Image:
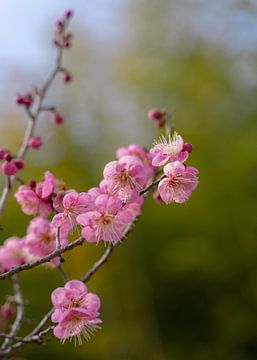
x=33 y=117
x=20 y=312
x=43 y=260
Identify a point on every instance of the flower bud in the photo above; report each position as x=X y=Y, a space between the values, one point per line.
x=7 y=310
x=68 y=14
x=32 y=184
x=187 y=147
x=9 y=168
x=2 y=153
x=58 y=118
x=159 y=117
x=35 y=142
x=67 y=78
x=26 y=100
x=19 y=164
x=8 y=156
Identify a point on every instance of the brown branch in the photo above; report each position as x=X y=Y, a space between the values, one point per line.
x=20 y=312
x=43 y=260
x=99 y=263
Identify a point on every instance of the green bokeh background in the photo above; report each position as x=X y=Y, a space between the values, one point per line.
x=184 y=284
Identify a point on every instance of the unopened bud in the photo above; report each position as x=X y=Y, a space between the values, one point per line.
x=68 y=14
x=7 y=310
x=2 y=153
x=188 y=147
x=35 y=142
x=32 y=184
x=67 y=77
x=9 y=168
x=8 y=156
x=158 y=116
x=19 y=164
x=58 y=118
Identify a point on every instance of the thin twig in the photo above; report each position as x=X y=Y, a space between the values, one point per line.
x=58 y=240
x=43 y=260
x=149 y=187
x=33 y=117
x=63 y=273
x=20 y=311
x=99 y=263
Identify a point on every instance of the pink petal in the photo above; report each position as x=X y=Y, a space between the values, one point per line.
x=166 y=191
x=70 y=199
x=76 y=285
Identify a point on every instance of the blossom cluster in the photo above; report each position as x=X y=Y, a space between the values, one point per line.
x=103 y=213
x=179 y=180
x=11 y=164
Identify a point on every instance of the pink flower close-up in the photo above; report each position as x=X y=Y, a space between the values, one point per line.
x=76 y=311
x=46 y=188
x=179 y=182
x=12 y=253
x=31 y=203
x=73 y=204
x=125 y=175
x=141 y=154
x=168 y=149
x=41 y=239
x=108 y=222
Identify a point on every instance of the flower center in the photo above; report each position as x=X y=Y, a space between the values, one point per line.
x=123 y=176
x=105 y=219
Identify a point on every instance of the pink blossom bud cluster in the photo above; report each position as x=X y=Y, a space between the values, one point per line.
x=179 y=180
x=25 y=100
x=61 y=37
x=10 y=165
x=63 y=40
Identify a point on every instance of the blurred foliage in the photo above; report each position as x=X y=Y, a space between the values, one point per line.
x=184 y=285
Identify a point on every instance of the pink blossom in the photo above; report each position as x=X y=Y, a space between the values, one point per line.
x=76 y=311
x=179 y=182
x=46 y=188
x=169 y=149
x=141 y=154
x=41 y=239
x=31 y=203
x=12 y=253
x=108 y=222
x=125 y=175
x=134 y=205
x=73 y=204
x=157 y=197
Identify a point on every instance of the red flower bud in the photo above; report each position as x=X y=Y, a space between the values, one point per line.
x=9 y=168
x=35 y=142
x=19 y=164
x=157 y=116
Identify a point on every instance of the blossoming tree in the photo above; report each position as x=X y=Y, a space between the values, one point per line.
x=105 y=213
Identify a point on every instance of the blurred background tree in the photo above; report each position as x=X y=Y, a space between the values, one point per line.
x=184 y=285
